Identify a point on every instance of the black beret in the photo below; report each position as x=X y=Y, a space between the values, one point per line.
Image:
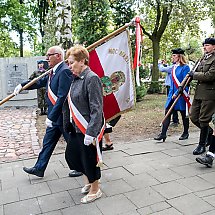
x=209 y=40
x=178 y=51
x=40 y=61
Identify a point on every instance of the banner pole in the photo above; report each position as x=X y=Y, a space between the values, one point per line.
x=118 y=31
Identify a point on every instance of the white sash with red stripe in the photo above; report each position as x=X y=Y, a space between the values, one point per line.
x=52 y=97
x=82 y=124
x=185 y=95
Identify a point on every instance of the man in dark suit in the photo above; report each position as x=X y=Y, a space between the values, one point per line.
x=57 y=85
x=203 y=105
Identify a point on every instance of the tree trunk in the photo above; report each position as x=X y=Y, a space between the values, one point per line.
x=154 y=86
x=21 y=37
x=21 y=42
x=63 y=23
x=43 y=46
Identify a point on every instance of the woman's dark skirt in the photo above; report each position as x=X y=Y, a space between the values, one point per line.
x=82 y=158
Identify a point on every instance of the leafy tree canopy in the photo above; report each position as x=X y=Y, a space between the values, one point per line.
x=15 y=16
x=122 y=12
x=18 y=15
x=7 y=47
x=167 y=21
x=92 y=20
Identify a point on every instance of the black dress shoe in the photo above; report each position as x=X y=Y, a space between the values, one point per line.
x=207 y=160
x=34 y=171
x=160 y=137
x=75 y=173
x=199 y=150
x=184 y=136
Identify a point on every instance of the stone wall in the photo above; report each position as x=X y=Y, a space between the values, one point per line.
x=12 y=72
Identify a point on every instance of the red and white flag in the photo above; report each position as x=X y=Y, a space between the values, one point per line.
x=111 y=61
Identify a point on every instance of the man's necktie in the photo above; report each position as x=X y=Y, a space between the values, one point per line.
x=51 y=75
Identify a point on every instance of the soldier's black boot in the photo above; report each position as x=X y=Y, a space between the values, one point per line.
x=201 y=148
x=206 y=160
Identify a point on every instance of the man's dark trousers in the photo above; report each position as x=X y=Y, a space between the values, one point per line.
x=50 y=140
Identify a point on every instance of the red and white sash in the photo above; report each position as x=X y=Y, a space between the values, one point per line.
x=52 y=97
x=82 y=124
x=185 y=95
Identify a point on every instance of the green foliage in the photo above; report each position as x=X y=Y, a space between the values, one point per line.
x=17 y=15
x=7 y=47
x=140 y=92
x=166 y=23
x=92 y=20
x=122 y=12
x=212 y=12
x=155 y=87
x=49 y=29
x=193 y=49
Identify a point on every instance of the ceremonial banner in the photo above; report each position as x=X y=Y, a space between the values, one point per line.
x=111 y=61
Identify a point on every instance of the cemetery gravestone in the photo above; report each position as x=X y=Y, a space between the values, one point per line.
x=16 y=74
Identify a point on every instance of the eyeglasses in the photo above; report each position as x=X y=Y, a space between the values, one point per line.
x=48 y=55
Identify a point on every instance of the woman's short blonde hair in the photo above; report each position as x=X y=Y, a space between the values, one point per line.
x=79 y=53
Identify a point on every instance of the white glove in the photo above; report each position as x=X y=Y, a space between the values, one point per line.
x=88 y=139
x=49 y=123
x=17 y=90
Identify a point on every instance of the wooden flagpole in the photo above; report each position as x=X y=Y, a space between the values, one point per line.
x=118 y=31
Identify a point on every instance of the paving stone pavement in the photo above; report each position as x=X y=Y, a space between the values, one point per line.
x=142 y=177
x=18 y=133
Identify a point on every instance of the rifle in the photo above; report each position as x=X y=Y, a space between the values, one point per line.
x=184 y=83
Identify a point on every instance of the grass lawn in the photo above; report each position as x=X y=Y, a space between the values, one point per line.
x=144 y=121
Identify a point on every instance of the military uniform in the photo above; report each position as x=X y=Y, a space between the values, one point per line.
x=203 y=105
x=41 y=93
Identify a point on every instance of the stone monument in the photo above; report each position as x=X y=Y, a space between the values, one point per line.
x=14 y=71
